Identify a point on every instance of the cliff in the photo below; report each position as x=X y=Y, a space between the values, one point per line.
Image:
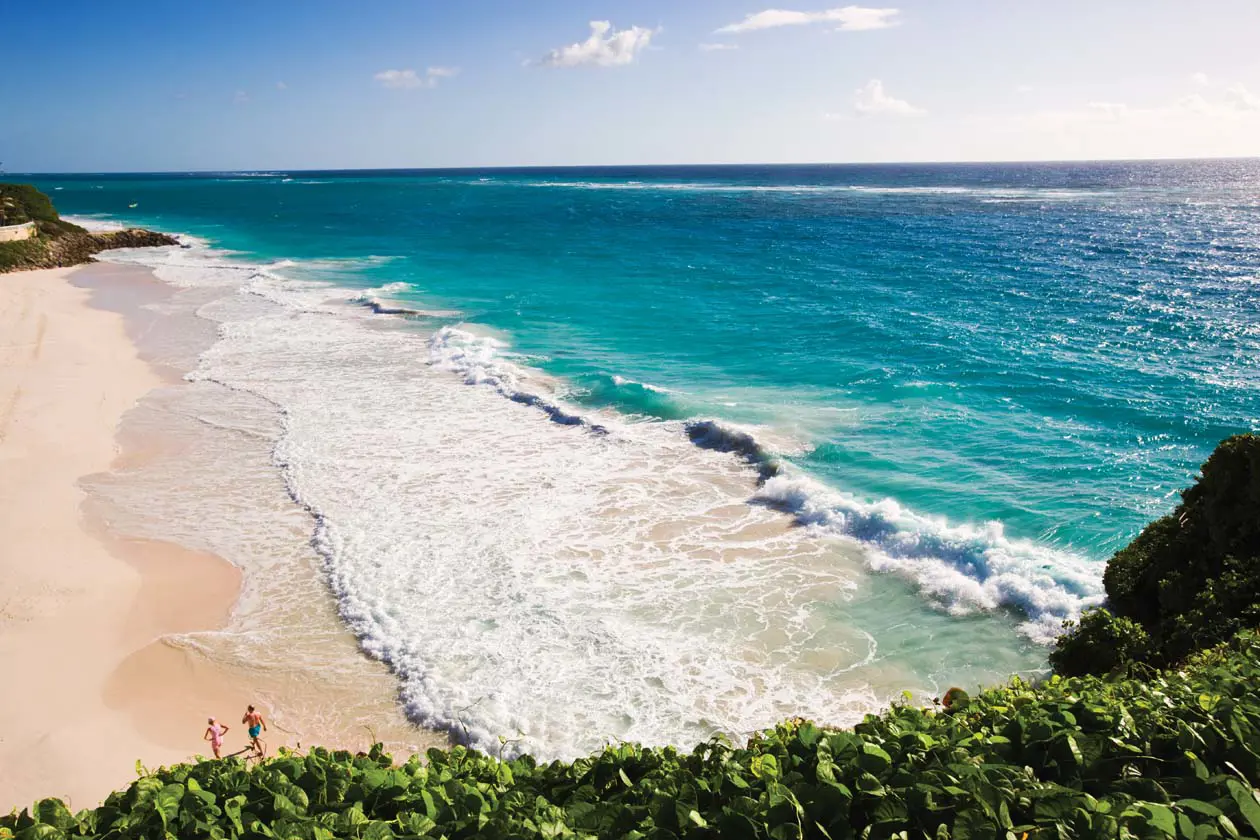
x=1189 y=581
x=58 y=243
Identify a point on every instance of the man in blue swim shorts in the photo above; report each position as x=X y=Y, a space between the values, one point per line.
x=257 y=726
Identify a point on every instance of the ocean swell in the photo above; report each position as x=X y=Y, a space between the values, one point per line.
x=480 y=360
x=961 y=568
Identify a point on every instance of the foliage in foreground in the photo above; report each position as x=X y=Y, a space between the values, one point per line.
x=1189 y=581
x=1171 y=756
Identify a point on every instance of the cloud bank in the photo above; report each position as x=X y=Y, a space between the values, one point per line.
x=606 y=47
x=848 y=18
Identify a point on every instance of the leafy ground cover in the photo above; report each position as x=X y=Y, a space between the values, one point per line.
x=1170 y=756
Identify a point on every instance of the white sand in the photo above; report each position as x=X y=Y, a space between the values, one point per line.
x=81 y=617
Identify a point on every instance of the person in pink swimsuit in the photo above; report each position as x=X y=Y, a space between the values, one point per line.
x=214 y=734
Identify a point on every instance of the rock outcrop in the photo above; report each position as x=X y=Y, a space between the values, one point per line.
x=58 y=243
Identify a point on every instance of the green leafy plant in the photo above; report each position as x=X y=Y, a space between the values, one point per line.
x=1173 y=755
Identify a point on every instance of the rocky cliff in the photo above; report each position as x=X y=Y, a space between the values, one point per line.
x=58 y=243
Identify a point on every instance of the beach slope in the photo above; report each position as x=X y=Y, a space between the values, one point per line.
x=72 y=608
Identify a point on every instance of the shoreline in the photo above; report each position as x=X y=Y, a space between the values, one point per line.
x=129 y=635
x=244 y=375
x=213 y=403
x=68 y=376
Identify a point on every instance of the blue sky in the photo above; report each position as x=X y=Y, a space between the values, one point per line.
x=158 y=85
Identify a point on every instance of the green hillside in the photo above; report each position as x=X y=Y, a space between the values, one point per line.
x=58 y=243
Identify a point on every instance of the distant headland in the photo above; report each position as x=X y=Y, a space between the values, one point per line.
x=33 y=235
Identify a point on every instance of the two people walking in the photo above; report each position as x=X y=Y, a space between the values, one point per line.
x=257 y=725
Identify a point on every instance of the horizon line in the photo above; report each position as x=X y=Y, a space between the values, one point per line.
x=520 y=167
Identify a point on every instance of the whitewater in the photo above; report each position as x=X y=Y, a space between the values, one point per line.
x=566 y=510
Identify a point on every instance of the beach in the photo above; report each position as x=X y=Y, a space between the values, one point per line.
x=98 y=622
x=77 y=608
x=543 y=498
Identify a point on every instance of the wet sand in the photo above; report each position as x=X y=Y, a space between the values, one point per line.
x=73 y=607
x=119 y=640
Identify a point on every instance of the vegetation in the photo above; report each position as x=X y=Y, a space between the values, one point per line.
x=1138 y=753
x=1189 y=581
x=1170 y=756
x=59 y=242
x=21 y=203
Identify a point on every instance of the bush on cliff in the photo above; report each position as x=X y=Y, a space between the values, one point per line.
x=21 y=203
x=59 y=242
x=1173 y=756
x=1188 y=581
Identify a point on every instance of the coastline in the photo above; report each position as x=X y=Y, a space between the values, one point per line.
x=75 y=606
x=129 y=637
x=237 y=450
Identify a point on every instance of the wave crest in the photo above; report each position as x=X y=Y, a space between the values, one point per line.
x=480 y=360
x=960 y=568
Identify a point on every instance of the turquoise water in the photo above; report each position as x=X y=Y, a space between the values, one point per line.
x=985 y=377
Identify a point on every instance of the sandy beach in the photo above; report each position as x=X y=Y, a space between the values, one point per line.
x=76 y=608
x=126 y=642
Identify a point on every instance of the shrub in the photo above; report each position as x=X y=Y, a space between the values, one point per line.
x=1189 y=580
x=25 y=253
x=1170 y=756
x=20 y=203
x=1100 y=643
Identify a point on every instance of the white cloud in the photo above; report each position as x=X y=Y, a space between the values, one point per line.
x=607 y=47
x=1241 y=98
x=849 y=18
x=281 y=86
x=1111 y=110
x=718 y=47
x=1200 y=79
x=1231 y=107
x=399 y=79
x=410 y=79
x=1024 y=88
x=241 y=97
x=871 y=99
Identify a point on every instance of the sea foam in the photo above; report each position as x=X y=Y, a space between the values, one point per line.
x=551 y=586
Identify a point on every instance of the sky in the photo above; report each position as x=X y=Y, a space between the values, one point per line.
x=159 y=85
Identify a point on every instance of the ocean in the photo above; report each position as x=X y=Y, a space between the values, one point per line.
x=655 y=453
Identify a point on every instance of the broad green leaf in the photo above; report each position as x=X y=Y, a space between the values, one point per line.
x=1245 y=798
x=764 y=767
x=874 y=758
x=54 y=812
x=41 y=831
x=1159 y=817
